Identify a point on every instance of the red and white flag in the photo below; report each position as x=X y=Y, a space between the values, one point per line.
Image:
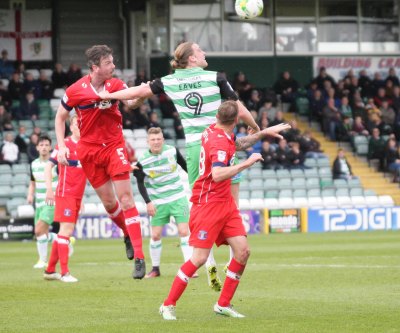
x=26 y=34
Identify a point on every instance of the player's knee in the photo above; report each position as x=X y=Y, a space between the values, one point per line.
x=126 y=201
x=244 y=255
x=155 y=238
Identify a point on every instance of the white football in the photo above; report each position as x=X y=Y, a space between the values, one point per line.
x=249 y=8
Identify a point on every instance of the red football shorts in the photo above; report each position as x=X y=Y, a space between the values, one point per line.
x=101 y=163
x=67 y=209
x=214 y=222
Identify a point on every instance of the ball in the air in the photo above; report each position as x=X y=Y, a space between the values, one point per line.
x=249 y=8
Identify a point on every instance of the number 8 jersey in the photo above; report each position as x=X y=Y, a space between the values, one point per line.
x=217 y=150
x=196 y=94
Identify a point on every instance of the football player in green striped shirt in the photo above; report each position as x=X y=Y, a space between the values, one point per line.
x=162 y=189
x=44 y=214
x=196 y=93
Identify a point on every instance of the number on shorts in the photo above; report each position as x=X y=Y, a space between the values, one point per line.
x=194 y=101
x=120 y=152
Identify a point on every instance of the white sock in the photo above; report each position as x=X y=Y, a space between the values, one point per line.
x=155 y=252
x=41 y=243
x=51 y=237
x=187 y=250
x=210 y=260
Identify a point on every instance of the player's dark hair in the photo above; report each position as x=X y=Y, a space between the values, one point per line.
x=228 y=112
x=44 y=137
x=182 y=54
x=95 y=53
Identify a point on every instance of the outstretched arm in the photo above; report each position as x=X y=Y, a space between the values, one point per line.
x=247 y=141
x=139 y=92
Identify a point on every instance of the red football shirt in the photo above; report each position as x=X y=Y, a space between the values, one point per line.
x=99 y=121
x=71 y=178
x=217 y=149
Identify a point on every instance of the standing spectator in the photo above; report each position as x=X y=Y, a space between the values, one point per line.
x=9 y=150
x=287 y=88
x=31 y=149
x=322 y=77
x=15 y=87
x=392 y=77
x=59 y=77
x=46 y=86
x=29 y=109
x=365 y=83
x=331 y=118
x=317 y=104
x=5 y=120
x=22 y=139
x=392 y=156
x=376 y=148
x=74 y=74
x=6 y=66
x=341 y=167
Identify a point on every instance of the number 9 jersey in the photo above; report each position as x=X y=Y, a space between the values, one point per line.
x=217 y=150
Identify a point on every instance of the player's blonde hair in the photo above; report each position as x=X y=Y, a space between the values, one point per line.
x=95 y=53
x=227 y=112
x=181 y=55
x=154 y=130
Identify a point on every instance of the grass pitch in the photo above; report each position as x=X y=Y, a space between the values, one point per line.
x=332 y=282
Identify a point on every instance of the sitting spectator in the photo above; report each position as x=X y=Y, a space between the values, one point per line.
x=29 y=108
x=316 y=105
x=31 y=85
x=296 y=157
x=5 y=98
x=380 y=97
x=392 y=156
x=376 y=148
x=388 y=116
x=268 y=108
x=269 y=156
x=22 y=139
x=74 y=74
x=178 y=127
x=377 y=82
x=254 y=103
x=32 y=147
x=5 y=120
x=6 y=66
x=15 y=87
x=128 y=117
x=310 y=146
x=46 y=86
x=263 y=123
x=282 y=153
x=358 y=127
x=393 y=77
x=153 y=120
x=365 y=83
x=278 y=119
x=331 y=118
x=345 y=109
x=293 y=134
x=142 y=117
x=59 y=77
x=341 y=167
x=9 y=150
x=255 y=148
x=396 y=99
x=322 y=77
x=343 y=129
x=287 y=88
x=242 y=86
x=141 y=77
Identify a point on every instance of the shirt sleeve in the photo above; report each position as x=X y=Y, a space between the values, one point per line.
x=140 y=175
x=156 y=86
x=181 y=160
x=219 y=153
x=32 y=176
x=68 y=101
x=226 y=89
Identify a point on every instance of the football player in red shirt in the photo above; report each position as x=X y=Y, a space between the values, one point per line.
x=67 y=200
x=214 y=216
x=101 y=149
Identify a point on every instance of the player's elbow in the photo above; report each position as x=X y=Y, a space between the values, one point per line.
x=217 y=176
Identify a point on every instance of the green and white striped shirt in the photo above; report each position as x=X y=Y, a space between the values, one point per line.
x=162 y=179
x=37 y=175
x=196 y=94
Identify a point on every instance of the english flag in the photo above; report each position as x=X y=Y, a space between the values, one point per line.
x=26 y=34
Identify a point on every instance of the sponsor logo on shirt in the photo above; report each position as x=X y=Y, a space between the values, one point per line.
x=221 y=155
x=202 y=235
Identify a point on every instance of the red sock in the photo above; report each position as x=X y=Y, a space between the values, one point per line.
x=132 y=221
x=180 y=282
x=51 y=267
x=235 y=271
x=117 y=216
x=63 y=250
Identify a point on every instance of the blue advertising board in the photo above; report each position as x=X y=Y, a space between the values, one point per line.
x=353 y=219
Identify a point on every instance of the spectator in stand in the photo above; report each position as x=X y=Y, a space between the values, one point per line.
x=388 y=116
x=130 y=152
x=74 y=74
x=22 y=139
x=255 y=148
x=59 y=77
x=6 y=66
x=269 y=156
x=343 y=129
x=396 y=126
x=322 y=77
x=263 y=121
x=396 y=99
x=377 y=83
x=389 y=89
x=9 y=150
x=141 y=77
x=345 y=108
x=330 y=120
x=392 y=76
x=310 y=146
x=375 y=121
x=282 y=153
x=46 y=86
x=142 y=117
x=293 y=134
x=31 y=85
x=31 y=150
x=331 y=94
x=5 y=120
x=128 y=117
x=29 y=108
x=358 y=106
x=376 y=148
x=316 y=105
x=287 y=88
x=278 y=119
x=178 y=127
x=341 y=167
x=254 y=103
x=20 y=69
x=365 y=83
x=268 y=108
x=37 y=130
x=5 y=98
x=242 y=86
x=358 y=127
x=296 y=157
x=15 y=87
x=392 y=156
x=380 y=97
